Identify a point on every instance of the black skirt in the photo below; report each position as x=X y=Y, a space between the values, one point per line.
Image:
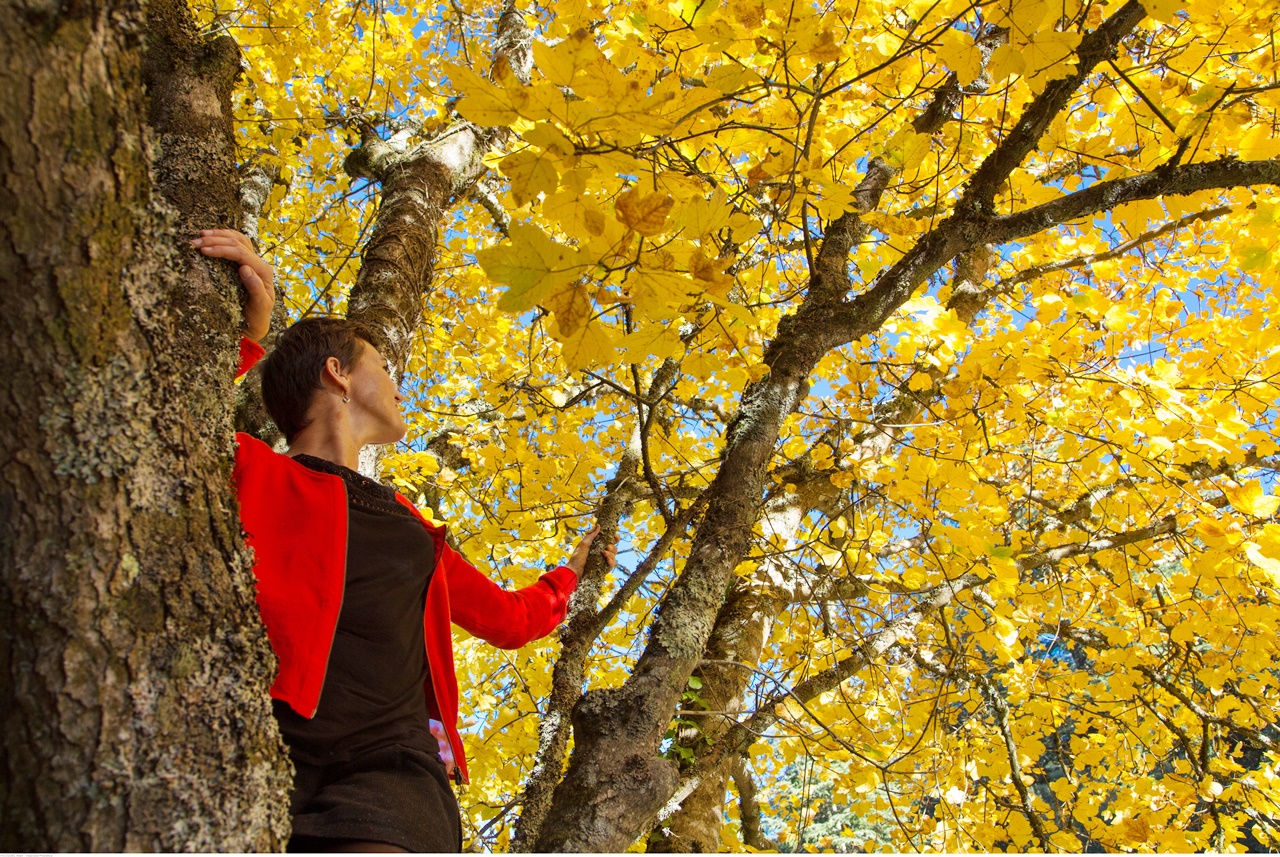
x=397 y=795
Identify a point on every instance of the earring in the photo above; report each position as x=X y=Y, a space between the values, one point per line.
x=345 y=400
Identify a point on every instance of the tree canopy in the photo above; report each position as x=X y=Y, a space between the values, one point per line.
x=923 y=353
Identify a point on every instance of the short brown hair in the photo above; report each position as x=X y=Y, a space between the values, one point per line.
x=291 y=374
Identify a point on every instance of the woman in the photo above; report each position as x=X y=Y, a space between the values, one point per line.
x=357 y=591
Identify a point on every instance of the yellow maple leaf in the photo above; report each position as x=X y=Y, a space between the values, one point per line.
x=659 y=294
x=531 y=265
x=531 y=172
x=710 y=272
x=1005 y=61
x=961 y=55
x=706 y=216
x=644 y=213
x=483 y=102
x=562 y=62
x=651 y=341
x=825 y=48
x=906 y=149
x=1250 y=499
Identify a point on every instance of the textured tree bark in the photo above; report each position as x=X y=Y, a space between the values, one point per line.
x=133 y=672
x=746 y=619
x=419 y=184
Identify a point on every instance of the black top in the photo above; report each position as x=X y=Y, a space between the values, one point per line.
x=374 y=693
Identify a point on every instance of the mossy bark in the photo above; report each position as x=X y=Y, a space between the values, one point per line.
x=133 y=671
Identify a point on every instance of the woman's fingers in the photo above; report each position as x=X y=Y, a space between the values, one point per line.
x=578 y=559
x=250 y=276
x=232 y=235
x=255 y=274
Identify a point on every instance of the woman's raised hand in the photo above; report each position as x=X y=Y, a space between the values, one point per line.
x=255 y=274
x=578 y=560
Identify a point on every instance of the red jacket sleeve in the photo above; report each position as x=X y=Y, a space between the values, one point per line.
x=250 y=353
x=505 y=619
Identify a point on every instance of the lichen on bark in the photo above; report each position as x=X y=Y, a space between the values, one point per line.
x=133 y=671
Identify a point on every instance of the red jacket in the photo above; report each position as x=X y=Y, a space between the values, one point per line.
x=295 y=519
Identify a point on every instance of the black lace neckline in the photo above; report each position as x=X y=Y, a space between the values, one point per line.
x=362 y=492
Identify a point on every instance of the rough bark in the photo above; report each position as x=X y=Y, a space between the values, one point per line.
x=133 y=673
x=419 y=184
x=583 y=626
x=745 y=622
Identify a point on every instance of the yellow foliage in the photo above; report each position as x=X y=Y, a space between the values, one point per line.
x=1095 y=443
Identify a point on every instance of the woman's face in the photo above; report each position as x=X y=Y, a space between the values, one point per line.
x=375 y=398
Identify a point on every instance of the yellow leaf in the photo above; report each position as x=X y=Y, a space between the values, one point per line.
x=1250 y=499
x=1268 y=564
x=590 y=346
x=531 y=172
x=826 y=48
x=906 y=149
x=1023 y=17
x=1006 y=61
x=1119 y=319
x=531 y=264
x=1006 y=632
x=549 y=137
x=693 y=11
x=659 y=294
x=572 y=307
x=731 y=77
x=1260 y=143
x=961 y=55
x=920 y=381
x=645 y=213
x=1052 y=54
x=710 y=272
x=748 y=13
x=482 y=102
x=651 y=341
x=1136 y=829
x=561 y=63
x=706 y=216
x=1165 y=11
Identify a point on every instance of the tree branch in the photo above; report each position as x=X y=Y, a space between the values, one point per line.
x=1163 y=527
x=1096 y=47
x=752 y=832
x=1000 y=708
x=743 y=734
x=1174 y=180
x=1116 y=251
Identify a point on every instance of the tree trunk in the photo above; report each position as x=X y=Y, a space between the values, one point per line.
x=133 y=671
x=746 y=619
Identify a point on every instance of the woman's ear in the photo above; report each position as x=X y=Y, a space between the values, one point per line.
x=334 y=377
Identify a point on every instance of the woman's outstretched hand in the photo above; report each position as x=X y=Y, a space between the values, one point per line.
x=255 y=274
x=578 y=560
